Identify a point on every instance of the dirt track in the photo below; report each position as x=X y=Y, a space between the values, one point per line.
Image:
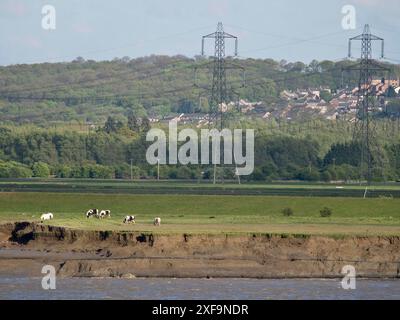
x=26 y=247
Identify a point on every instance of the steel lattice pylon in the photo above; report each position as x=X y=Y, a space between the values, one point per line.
x=364 y=131
x=219 y=89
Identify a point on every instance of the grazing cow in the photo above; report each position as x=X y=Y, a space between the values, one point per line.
x=105 y=214
x=92 y=213
x=157 y=222
x=46 y=216
x=130 y=219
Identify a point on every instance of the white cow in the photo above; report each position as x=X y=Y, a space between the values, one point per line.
x=105 y=214
x=46 y=216
x=130 y=219
x=157 y=221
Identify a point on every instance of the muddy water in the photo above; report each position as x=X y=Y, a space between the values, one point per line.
x=171 y=289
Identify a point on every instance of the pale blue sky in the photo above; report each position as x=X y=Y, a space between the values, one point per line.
x=104 y=29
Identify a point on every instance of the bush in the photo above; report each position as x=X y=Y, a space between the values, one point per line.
x=173 y=173
x=14 y=170
x=326 y=176
x=326 y=212
x=183 y=172
x=40 y=170
x=287 y=212
x=123 y=171
x=307 y=175
x=258 y=175
x=62 y=171
x=100 y=172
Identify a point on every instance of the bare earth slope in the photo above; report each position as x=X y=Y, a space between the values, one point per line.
x=26 y=247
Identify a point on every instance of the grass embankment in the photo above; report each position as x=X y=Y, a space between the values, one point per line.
x=391 y=190
x=209 y=214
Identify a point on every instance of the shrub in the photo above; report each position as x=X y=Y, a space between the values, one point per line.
x=40 y=170
x=62 y=171
x=307 y=175
x=20 y=172
x=326 y=176
x=14 y=170
x=123 y=171
x=101 y=172
x=173 y=173
x=326 y=212
x=184 y=172
x=287 y=212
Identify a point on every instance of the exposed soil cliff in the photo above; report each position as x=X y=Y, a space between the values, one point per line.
x=27 y=246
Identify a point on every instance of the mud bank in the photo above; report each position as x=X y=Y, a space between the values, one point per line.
x=26 y=247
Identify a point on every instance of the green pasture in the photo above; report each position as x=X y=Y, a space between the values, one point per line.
x=209 y=214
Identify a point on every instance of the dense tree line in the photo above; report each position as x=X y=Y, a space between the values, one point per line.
x=109 y=154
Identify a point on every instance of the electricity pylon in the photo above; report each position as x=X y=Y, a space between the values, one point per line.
x=364 y=132
x=219 y=91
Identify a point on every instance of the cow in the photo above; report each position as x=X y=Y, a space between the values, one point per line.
x=46 y=216
x=157 y=222
x=92 y=213
x=130 y=219
x=104 y=214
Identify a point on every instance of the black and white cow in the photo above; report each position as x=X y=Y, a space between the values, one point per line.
x=92 y=213
x=105 y=214
x=130 y=219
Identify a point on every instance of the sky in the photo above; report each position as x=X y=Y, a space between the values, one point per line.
x=293 y=30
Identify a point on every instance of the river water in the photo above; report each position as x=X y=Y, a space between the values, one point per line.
x=207 y=289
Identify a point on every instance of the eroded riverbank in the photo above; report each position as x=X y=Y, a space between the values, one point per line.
x=26 y=247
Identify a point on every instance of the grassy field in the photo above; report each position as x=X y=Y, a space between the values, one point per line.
x=391 y=190
x=209 y=214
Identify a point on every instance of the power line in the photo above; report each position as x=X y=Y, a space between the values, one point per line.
x=110 y=77
x=392 y=60
x=169 y=91
x=294 y=42
x=283 y=78
x=57 y=86
x=300 y=40
x=128 y=45
x=280 y=36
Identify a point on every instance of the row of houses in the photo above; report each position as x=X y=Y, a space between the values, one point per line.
x=298 y=104
x=343 y=103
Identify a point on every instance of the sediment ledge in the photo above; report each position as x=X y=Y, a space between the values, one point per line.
x=25 y=247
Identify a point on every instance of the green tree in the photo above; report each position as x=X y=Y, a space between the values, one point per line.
x=112 y=125
x=146 y=126
x=40 y=170
x=133 y=123
x=326 y=95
